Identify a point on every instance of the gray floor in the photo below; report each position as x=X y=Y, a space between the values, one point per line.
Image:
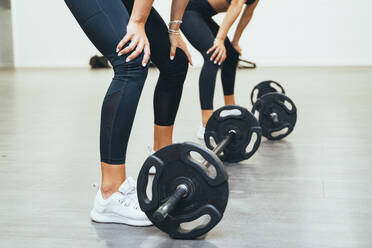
x=313 y=189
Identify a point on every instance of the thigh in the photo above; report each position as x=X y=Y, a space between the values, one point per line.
x=197 y=31
x=213 y=26
x=231 y=54
x=103 y=21
x=157 y=33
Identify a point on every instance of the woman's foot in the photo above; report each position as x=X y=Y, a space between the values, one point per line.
x=121 y=207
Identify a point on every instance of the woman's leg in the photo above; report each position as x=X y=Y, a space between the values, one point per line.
x=208 y=73
x=199 y=34
x=172 y=75
x=104 y=22
x=228 y=73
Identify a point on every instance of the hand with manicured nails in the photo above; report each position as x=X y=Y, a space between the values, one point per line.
x=177 y=41
x=219 y=51
x=138 y=42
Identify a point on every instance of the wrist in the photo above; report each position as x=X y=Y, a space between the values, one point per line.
x=174 y=25
x=173 y=31
x=219 y=39
x=136 y=22
x=236 y=39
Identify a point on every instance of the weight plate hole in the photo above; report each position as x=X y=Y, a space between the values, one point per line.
x=276 y=87
x=288 y=105
x=252 y=142
x=197 y=157
x=204 y=164
x=149 y=185
x=255 y=95
x=230 y=112
x=212 y=142
x=256 y=114
x=279 y=132
x=200 y=222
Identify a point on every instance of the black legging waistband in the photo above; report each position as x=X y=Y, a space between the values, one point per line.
x=201 y=6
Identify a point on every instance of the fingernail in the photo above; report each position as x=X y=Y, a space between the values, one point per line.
x=117 y=50
x=127 y=60
x=215 y=62
x=219 y=63
x=172 y=57
x=210 y=59
x=144 y=64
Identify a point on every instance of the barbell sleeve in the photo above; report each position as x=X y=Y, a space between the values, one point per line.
x=162 y=212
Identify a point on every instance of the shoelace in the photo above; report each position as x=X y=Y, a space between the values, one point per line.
x=129 y=197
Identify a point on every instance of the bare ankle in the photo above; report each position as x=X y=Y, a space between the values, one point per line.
x=162 y=136
x=229 y=99
x=206 y=114
x=108 y=189
x=112 y=177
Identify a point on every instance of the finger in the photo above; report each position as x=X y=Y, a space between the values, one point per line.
x=132 y=45
x=222 y=59
x=214 y=54
x=124 y=41
x=211 y=49
x=218 y=57
x=146 y=55
x=136 y=52
x=172 y=52
x=188 y=55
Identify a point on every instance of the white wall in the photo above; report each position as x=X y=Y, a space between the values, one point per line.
x=46 y=34
x=285 y=32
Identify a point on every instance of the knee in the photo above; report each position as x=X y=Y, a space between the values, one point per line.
x=127 y=74
x=209 y=64
x=130 y=70
x=178 y=67
x=173 y=72
x=232 y=58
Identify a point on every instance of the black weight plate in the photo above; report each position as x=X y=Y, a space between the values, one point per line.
x=286 y=117
x=207 y=195
x=239 y=119
x=265 y=87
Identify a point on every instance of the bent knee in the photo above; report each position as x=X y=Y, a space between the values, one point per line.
x=210 y=64
x=128 y=74
x=175 y=70
x=131 y=71
x=122 y=66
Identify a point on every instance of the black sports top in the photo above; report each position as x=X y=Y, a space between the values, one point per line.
x=246 y=2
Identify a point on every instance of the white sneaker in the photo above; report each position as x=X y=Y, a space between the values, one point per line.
x=200 y=133
x=121 y=207
x=152 y=170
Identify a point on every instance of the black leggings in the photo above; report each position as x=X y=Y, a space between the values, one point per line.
x=105 y=22
x=200 y=30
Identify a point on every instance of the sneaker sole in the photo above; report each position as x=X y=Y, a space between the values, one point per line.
x=99 y=218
